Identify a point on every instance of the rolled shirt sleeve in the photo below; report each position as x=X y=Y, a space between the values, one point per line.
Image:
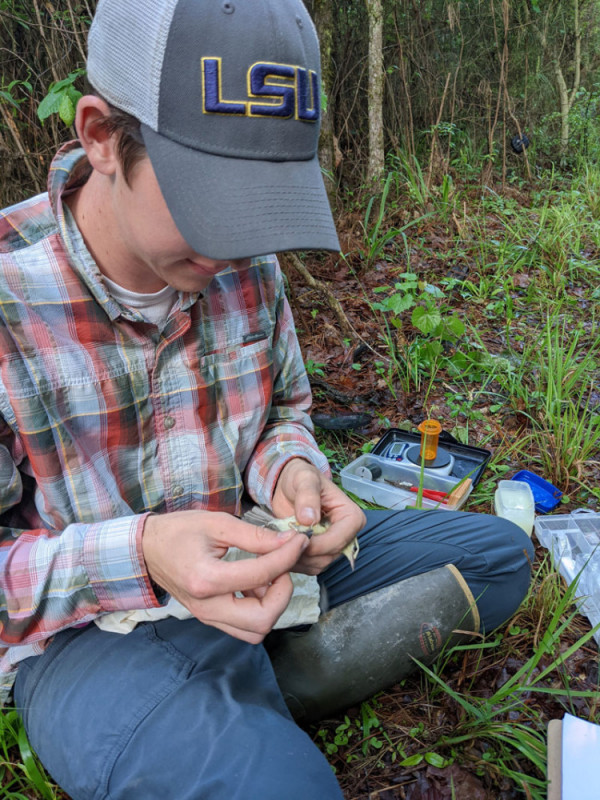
x=51 y=581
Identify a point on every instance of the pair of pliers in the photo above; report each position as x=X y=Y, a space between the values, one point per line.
x=431 y=494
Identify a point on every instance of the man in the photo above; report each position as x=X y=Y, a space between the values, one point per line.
x=150 y=376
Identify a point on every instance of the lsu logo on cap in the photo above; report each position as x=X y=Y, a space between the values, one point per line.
x=274 y=90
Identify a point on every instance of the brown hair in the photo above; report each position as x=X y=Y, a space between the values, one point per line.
x=130 y=145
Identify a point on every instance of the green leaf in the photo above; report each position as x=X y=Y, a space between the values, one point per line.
x=455 y=326
x=9 y=99
x=398 y=303
x=66 y=110
x=434 y=291
x=49 y=105
x=436 y=760
x=60 y=86
x=432 y=350
x=426 y=319
x=31 y=768
x=459 y=361
x=412 y=761
x=408 y=283
x=74 y=94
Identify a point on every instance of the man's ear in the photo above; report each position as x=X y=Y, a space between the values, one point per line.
x=98 y=143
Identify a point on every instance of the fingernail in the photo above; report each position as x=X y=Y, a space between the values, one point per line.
x=309 y=515
x=285 y=534
x=305 y=544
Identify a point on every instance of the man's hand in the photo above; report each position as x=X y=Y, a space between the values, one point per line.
x=304 y=492
x=183 y=552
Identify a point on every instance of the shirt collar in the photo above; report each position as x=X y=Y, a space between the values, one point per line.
x=69 y=170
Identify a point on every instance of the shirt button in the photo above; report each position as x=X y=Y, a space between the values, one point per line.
x=169 y=423
x=177 y=491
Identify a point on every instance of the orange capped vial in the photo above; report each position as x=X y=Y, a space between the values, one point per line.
x=430 y=433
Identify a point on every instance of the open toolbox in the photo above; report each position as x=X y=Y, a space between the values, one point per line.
x=389 y=475
x=574 y=542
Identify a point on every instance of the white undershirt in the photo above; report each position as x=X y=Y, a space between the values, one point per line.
x=155 y=305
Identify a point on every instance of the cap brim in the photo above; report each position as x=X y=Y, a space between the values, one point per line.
x=228 y=208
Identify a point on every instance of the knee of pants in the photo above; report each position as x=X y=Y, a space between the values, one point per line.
x=141 y=718
x=502 y=587
x=260 y=754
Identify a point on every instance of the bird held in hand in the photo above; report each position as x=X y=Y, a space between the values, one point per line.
x=260 y=517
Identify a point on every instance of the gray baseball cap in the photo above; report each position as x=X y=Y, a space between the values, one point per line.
x=227 y=93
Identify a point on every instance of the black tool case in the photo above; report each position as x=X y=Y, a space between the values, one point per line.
x=467 y=459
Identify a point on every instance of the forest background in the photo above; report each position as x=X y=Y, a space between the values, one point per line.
x=460 y=147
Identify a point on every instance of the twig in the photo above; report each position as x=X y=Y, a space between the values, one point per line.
x=334 y=303
x=434 y=143
x=53 y=55
x=10 y=124
x=80 y=47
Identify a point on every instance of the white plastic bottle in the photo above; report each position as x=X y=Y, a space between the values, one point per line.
x=513 y=500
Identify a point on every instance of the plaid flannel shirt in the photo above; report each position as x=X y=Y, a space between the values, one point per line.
x=104 y=418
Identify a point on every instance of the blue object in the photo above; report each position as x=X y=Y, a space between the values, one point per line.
x=545 y=495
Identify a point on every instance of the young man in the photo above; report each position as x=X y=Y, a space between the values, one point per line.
x=150 y=376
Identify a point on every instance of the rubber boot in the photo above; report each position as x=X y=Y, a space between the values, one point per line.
x=366 y=645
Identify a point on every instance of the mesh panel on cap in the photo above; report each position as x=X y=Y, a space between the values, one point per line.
x=126 y=46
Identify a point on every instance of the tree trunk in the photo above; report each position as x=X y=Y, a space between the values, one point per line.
x=376 y=84
x=566 y=97
x=323 y=16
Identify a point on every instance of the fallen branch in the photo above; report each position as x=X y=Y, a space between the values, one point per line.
x=348 y=329
x=321 y=287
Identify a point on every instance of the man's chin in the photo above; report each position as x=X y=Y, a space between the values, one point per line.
x=190 y=283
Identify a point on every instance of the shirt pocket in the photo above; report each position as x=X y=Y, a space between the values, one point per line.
x=235 y=391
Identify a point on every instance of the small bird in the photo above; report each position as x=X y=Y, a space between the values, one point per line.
x=258 y=516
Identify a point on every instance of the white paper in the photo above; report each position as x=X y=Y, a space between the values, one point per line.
x=580 y=759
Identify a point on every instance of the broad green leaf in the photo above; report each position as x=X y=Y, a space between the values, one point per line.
x=74 y=94
x=426 y=319
x=436 y=760
x=409 y=283
x=379 y=289
x=49 y=105
x=455 y=326
x=434 y=291
x=433 y=350
x=398 y=303
x=60 y=86
x=459 y=361
x=66 y=110
x=412 y=761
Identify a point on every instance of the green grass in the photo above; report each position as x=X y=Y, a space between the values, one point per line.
x=21 y=775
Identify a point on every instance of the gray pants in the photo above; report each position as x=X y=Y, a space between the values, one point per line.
x=177 y=710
